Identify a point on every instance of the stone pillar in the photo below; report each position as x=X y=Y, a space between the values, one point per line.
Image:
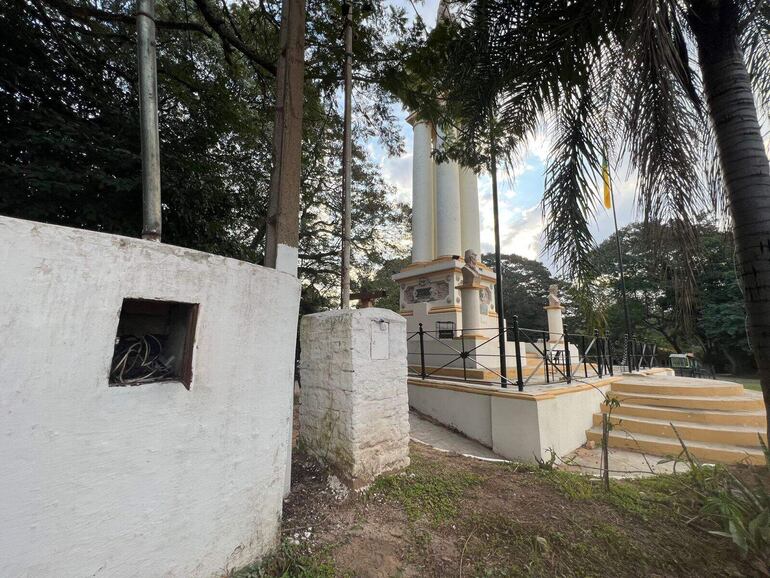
x=470 y=295
x=554 y=311
x=448 y=236
x=555 y=323
x=422 y=193
x=471 y=299
x=469 y=208
x=354 y=408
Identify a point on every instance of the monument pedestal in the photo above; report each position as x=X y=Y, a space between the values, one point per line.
x=354 y=410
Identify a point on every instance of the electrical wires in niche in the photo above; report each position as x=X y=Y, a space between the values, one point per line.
x=139 y=360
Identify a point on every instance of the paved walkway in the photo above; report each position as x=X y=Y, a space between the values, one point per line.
x=624 y=464
x=442 y=438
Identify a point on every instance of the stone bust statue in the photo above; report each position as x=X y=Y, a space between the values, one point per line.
x=471 y=272
x=553 y=296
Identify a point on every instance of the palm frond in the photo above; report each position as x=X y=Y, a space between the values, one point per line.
x=569 y=199
x=755 y=41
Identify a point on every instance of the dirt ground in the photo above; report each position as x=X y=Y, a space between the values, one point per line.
x=447 y=515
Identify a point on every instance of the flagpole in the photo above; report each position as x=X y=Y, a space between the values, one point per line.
x=620 y=269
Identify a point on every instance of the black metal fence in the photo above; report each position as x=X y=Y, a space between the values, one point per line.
x=538 y=356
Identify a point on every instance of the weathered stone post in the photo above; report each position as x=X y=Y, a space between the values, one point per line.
x=354 y=409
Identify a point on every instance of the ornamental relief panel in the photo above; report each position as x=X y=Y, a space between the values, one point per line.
x=425 y=291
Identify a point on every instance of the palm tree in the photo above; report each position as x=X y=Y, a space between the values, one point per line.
x=670 y=87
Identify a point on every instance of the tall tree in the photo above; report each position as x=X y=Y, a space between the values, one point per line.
x=618 y=77
x=70 y=147
x=525 y=289
x=717 y=327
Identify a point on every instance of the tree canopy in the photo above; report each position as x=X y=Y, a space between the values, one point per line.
x=716 y=329
x=70 y=149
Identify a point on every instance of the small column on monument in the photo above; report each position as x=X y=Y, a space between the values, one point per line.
x=554 y=311
x=470 y=294
x=448 y=235
x=422 y=192
x=469 y=205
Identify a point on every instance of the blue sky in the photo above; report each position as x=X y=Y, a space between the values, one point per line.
x=521 y=190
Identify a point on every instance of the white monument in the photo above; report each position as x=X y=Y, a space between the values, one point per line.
x=446 y=287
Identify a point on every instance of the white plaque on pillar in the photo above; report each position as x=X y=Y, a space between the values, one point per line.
x=380 y=340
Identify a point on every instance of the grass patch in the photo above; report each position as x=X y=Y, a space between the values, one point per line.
x=291 y=561
x=503 y=546
x=642 y=497
x=747 y=382
x=426 y=490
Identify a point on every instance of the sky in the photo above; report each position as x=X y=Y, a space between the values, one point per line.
x=520 y=191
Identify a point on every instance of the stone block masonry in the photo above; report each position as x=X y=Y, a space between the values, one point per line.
x=354 y=409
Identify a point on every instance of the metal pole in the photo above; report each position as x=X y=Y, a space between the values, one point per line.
x=346 y=155
x=148 y=119
x=620 y=266
x=567 y=357
x=498 y=267
x=281 y=247
x=517 y=348
x=422 y=353
x=599 y=352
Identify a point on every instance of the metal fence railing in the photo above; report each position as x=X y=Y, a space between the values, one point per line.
x=530 y=356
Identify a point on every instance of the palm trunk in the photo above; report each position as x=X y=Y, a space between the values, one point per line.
x=745 y=167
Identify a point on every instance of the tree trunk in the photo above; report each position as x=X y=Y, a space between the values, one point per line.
x=745 y=167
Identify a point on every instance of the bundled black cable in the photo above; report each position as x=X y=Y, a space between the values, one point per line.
x=139 y=359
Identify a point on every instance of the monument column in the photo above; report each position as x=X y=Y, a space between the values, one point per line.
x=448 y=236
x=471 y=296
x=422 y=193
x=554 y=311
x=469 y=205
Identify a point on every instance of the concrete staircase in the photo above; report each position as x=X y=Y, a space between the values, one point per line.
x=719 y=421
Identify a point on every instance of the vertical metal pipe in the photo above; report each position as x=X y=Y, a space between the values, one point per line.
x=347 y=143
x=148 y=119
x=498 y=267
x=599 y=352
x=622 y=274
x=545 y=355
x=422 y=353
x=567 y=357
x=517 y=348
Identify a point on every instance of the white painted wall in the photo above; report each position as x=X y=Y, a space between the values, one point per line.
x=354 y=411
x=466 y=412
x=152 y=480
x=518 y=427
x=564 y=419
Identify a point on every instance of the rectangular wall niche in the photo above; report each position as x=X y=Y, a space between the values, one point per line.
x=154 y=342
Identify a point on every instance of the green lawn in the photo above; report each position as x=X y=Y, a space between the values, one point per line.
x=748 y=382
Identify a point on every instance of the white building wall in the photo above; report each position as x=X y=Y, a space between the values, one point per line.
x=151 y=480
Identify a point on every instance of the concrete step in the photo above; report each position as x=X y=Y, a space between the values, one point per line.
x=723 y=403
x=702 y=387
x=753 y=418
x=725 y=434
x=662 y=446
